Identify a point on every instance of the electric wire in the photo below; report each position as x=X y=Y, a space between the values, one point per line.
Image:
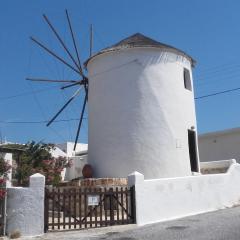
x=213 y=78
x=53 y=87
x=217 y=93
x=41 y=109
x=218 y=67
x=201 y=76
x=39 y=122
x=213 y=75
x=61 y=74
x=28 y=93
x=221 y=81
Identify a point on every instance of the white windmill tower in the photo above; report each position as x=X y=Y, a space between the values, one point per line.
x=141 y=106
x=141 y=110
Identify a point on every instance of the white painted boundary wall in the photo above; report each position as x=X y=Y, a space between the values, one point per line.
x=170 y=198
x=75 y=171
x=218 y=164
x=25 y=208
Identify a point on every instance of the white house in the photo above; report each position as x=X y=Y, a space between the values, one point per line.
x=141 y=110
x=78 y=158
x=219 y=145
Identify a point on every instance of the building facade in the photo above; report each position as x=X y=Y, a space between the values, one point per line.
x=220 y=145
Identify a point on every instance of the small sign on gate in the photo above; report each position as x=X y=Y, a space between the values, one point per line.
x=93 y=200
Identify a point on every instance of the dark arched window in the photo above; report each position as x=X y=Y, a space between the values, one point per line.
x=187 y=79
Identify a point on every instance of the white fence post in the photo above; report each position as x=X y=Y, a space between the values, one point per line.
x=25 y=208
x=136 y=179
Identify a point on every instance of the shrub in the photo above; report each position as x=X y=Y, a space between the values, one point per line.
x=37 y=157
x=52 y=169
x=4 y=170
x=15 y=234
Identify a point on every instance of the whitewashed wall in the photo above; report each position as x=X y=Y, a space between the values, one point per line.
x=217 y=164
x=164 y=199
x=139 y=113
x=75 y=171
x=220 y=145
x=66 y=150
x=68 y=147
x=25 y=208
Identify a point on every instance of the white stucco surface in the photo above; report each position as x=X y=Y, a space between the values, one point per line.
x=220 y=145
x=66 y=150
x=58 y=152
x=25 y=208
x=170 y=198
x=75 y=171
x=139 y=113
x=218 y=164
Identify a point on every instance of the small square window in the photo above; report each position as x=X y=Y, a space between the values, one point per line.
x=187 y=79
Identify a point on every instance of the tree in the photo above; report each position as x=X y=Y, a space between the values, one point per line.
x=52 y=169
x=4 y=170
x=36 y=157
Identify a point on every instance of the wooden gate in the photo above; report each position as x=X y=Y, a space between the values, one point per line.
x=77 y=208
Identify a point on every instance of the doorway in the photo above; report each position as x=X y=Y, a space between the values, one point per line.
x=192 y=146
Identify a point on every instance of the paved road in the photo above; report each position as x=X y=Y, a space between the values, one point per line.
x=219 y=225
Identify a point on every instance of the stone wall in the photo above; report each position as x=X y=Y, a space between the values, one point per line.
x=96 y=182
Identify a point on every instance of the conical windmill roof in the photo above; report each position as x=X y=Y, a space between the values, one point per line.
x=138 y=40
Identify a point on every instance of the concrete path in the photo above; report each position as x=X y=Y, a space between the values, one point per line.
x=219 y=225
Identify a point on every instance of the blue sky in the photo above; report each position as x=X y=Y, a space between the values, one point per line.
x=206 y=30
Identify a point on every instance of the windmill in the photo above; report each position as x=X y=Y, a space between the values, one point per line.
x=75 y=66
